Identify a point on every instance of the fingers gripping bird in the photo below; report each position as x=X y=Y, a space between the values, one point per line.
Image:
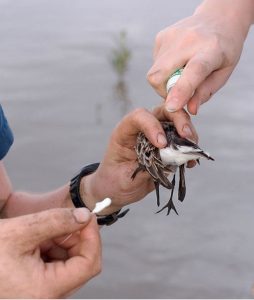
x=160 y=163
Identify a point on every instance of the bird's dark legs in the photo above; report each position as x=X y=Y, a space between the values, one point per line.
x=157 y=189
x=182 y=186
x=170 y=205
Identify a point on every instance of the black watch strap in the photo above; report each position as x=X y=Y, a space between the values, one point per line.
x=75 y=184
x=111 y=219
x=78 y=202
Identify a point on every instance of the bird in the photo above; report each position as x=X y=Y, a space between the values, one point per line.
x=160 y=163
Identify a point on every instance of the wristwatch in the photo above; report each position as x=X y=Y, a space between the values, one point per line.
x=78 y=202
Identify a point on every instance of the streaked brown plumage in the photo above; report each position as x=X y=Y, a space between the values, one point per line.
x=161 y=163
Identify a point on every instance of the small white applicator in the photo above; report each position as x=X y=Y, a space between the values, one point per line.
x=99 y=206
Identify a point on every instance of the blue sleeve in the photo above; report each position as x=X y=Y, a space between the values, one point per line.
x=6 y=136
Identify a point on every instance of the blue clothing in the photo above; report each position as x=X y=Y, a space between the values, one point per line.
x=6 y=136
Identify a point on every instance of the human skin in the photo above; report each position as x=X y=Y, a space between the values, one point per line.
x=209 y=44
x=48 y=261
x=24 y=273
x=112 y=178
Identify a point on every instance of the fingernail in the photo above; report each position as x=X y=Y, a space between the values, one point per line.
x=81 y=215
x=161 y=139
x=172 y=104
x=187 y=131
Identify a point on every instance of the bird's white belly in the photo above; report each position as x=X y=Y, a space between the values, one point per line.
x=170 y=156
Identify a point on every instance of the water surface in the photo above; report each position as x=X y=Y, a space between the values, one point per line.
x=57 y=88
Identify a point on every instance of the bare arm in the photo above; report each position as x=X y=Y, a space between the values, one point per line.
x=112 y=178
x=240 y=10
x=19 y=203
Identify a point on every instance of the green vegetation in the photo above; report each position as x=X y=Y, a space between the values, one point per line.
x=121 y=54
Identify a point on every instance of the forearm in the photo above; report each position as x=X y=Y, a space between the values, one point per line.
x=21 y=203
x=235 y=11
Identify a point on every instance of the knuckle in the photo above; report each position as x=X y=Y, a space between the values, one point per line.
x=202 y=67
x=154 y=78
x=137 y=112
x=159 y=37
x=157 y=110
x=191 y=36
x=215 y=45
x=58 y=216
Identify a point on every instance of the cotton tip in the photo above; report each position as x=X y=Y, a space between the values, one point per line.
x=99 y=206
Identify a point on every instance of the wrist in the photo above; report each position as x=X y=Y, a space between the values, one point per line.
x=91 y=191
x=87 y=194
x=238 y=14
x=83 y=193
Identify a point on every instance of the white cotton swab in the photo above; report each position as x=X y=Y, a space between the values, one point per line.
x=99 y=206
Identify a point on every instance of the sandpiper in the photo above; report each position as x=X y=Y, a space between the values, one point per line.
x=160 y=163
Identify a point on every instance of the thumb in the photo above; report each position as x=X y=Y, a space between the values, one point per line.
x=33 y=229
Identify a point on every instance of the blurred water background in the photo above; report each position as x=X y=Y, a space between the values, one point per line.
x=59 y=91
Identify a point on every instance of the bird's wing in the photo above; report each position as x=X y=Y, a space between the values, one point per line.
x=158 y=171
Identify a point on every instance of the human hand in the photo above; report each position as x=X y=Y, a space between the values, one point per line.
x=208 y=44
x=25 y=274
x=113 y=177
